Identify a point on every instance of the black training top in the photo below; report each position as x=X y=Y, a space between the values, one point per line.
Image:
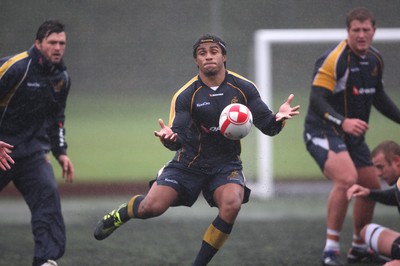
x=346 y=86
x=195 y=112
x=33 y=94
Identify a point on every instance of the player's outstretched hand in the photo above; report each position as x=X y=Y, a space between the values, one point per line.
x=67 y=168
x=286 y=111
x=5 y=158
x=165 y=133
x=356 y=191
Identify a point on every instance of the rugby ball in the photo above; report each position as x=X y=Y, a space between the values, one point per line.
x=235 y=121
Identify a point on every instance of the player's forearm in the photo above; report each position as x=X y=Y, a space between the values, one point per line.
x=320 y=105
x=387 y=196
x=387 y=107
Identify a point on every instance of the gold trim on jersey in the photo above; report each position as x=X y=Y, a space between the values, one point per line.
x=12 y=61
x=3 y=69
x=326 y=75
x=173 y=101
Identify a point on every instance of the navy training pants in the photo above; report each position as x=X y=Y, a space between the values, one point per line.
x=33 y=176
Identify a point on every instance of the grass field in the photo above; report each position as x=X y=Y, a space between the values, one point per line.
x=282 y=231
x=111 y=138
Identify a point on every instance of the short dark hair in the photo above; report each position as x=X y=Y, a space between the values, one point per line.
x=361 y=14
x=389 y=148
x=48 y=27
x=206 y=38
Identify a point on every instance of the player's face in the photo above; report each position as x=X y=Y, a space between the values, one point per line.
x=360 y=35
x=389 y=172
x=53 y=46
x=209 y=59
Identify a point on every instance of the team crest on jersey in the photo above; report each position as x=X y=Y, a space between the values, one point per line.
x=234 y=175
x=374 y=72
x=57 y=87
x=235 y=100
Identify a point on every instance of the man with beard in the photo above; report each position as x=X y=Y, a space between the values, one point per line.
x=382 y=240
x=34 y=87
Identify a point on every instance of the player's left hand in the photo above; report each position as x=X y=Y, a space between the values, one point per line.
x=286 y=111
x=67 y=168
x=357 y=191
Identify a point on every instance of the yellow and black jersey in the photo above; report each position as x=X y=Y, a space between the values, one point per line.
x=346 y=85
x=33 y=94
x=194 y=116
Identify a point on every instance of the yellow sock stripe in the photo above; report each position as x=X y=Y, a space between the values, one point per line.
x=130 y=206
x=215 y=237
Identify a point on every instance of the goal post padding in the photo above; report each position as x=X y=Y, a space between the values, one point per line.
x=263 y=186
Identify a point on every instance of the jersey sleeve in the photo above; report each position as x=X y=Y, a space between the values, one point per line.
x=263 y=118
x=10 y=77
x=56 y=130
x=319 y=103
x=326 y=78
x=179 y=120
x=386 y=106
x=387 y=196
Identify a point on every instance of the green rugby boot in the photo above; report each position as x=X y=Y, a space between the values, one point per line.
x=110 y=222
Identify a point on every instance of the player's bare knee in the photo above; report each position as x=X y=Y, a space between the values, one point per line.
x=345 y=182
x=149 y=209
x=230 y=208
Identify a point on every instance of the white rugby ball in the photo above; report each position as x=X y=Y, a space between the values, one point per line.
x=235 y=121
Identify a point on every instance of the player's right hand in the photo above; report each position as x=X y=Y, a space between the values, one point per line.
x=354 y=126
x=165 y=133
x=5 y=158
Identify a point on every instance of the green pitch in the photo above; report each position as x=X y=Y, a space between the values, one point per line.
x=282 y=231
x=111 y=138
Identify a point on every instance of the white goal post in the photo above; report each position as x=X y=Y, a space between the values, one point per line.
x=263 y=187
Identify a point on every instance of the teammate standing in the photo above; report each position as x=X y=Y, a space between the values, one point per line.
x=33 y=91
x=382 y=240
x=205 y=160
x=347 y=82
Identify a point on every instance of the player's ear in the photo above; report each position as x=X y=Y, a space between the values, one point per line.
x=37 y=44
x=396 y=160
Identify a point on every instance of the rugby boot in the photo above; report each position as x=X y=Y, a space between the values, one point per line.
x=332 y=258
x=359 y=255
x=108 y=224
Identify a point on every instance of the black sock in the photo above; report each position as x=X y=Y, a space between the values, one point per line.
x=215 y=236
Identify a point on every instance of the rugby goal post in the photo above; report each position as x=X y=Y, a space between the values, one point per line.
x=263 y=186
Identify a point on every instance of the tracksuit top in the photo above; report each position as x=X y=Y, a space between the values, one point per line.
x=194 y=115
x=33 y=94
x=346 y=85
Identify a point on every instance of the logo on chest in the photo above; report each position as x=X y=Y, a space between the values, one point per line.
x=33 y=84
x=363 y=91
x=202 y=104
